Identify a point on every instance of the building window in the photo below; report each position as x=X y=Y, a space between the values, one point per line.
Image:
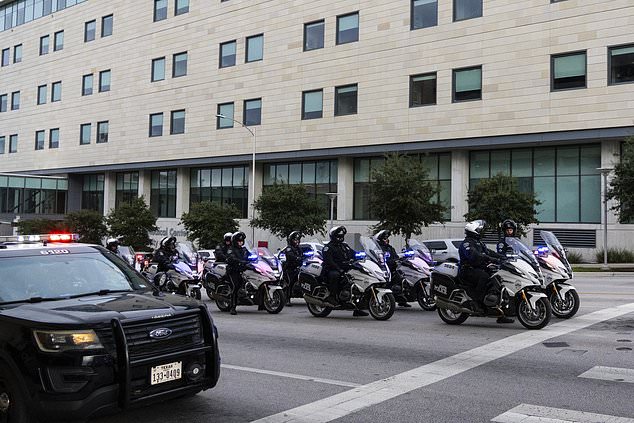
x=39 y=140
x=32 y=195
x=58 y=41
x=177 y=122
x=312 y=104
x=86 y=84
x=17 y=53
x=53 y=138
x=41 y=94
x=565 y=179
x=179 y=65
x=319 y=178
x=346 y=100
x=255 y=48
x=2 y=139
x=56 y=91
x=15 y=100
x=424 y=13
x=348 y=28
x=104 y=81
x=224 y=186
x=5 y=57
x=467 y=84
x=106 y=26
x=252 y=112
x=621 y=64
x=92 y=192
x=156 y=124
x=466 y=9
x=182 y=6
x=228 y=54
x=13 y=143
x=568 y=71
x=84 y=133
x=314 y=35
x=3 y=103
x=422 y=89
x=163 y=193
x=225 y=110
x=102 y=132
x=158 y=69
x=90 y=28
x=44 y=41
x=160 y=10
x=127 y=189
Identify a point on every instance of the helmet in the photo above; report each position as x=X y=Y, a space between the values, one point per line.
x=509 y=224
x=112 y=244
x=294 y=236
x=227 y=237
x=338 y=233
x=237 y=236
x=382 y=236
x=169 y=243
x=475 y=228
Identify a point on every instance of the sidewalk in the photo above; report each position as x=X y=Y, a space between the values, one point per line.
x=594 y=269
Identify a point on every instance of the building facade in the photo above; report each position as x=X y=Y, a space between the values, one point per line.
x=149 y=97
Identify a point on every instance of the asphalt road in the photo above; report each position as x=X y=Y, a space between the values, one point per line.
x=415 y=368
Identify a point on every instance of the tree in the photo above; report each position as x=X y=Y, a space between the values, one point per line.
x=284 y=208
x=207 y=222
x=402 y=199
x=132 y=222
x=40 y=226
x=88 y=224
x=622 y=185
x=499 y=198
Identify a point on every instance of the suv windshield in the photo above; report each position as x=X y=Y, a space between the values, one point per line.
x=64 y=275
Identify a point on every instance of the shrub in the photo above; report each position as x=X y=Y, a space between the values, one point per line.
x=575 y=257
x=616 y=255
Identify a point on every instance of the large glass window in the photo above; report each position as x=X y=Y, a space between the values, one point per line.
x=312 y=104
x=225 y=110
x=568 y=71
x=467 y=84
x=160 y=10
x=466 y=9
x=156 y=124
x=86 y=84
x=44 y=43
x=158 y=69
x=424 y=13
x=181 y=6
x=252 y=112
x=621 y=64
x=104 y=81
x=92 y=192
x=319 y=178
x=227 y=185
x=314 y=35
x=348 y=28
x=56 y=91
x=90 y=28
x=53 y=138
x=30 y=195
x=255 y=48
x=106 y=26
x=39 y=140
x=84 y=133
x=163 y=193
x=565 y=179
x=228 y=54
x=58 y=41
x=41 y=94
x=179 y=65
x=422 y=90
x=177 y=122
x=127 y=188
x=346 y=100
x=102 y=132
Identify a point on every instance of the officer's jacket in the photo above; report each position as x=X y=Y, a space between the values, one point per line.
x=474 y=254
x=294 y=257
x=221 y=252
x=337 y=256
x=237 y=259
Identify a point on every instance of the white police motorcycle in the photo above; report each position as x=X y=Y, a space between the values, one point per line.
x=179 y=280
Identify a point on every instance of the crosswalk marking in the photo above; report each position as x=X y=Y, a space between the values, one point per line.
x=613 y=374
x=527 y=413
x=292 y=376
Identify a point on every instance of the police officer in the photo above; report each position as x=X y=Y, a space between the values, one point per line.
x=164 y=255
x=112 y=244
x=509 y=229
x=294 y=258
x=237 y=261
x=383 y=239
x=222 y=249
x=474 y=259
x=338 y=257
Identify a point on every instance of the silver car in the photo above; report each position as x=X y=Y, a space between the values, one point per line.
x=444 y=249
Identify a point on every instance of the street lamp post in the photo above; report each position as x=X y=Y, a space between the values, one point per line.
x=252 y=200
x=605 y=171
x=332 y=196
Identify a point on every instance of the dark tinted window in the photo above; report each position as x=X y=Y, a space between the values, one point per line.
x=435 y=245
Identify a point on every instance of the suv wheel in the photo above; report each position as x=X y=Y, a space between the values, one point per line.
x=13 y=407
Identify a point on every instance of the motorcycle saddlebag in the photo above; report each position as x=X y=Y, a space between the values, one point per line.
x=442 y=285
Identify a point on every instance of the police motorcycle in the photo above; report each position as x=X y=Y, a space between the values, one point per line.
x=364 y=287
x=557 y=271
x=261 y=285
x=516 y=292
x=179 y=280
x=415 y=265
x=310 y=251
x=188 y=254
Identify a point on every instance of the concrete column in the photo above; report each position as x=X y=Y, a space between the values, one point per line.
x=75 y=187
x=610 y=156
x=459 y=184
x=345 y=188
x=109 y=192
x=145 y=185
x=182 y=191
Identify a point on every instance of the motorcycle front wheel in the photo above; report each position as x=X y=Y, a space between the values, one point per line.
x=223 y=305
x=275 y=302
x=534 y=319
x=318 y=311
x=566 y=308
x=450 y=317
x=425 y=299
x=195 y=293
x=384 y=310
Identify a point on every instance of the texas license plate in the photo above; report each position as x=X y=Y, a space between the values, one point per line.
x=166 y=373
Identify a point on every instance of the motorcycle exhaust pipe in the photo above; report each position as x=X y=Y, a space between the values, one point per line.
x=451 y=306
x=314 y=301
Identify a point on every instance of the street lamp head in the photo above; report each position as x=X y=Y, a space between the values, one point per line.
x=221 y=116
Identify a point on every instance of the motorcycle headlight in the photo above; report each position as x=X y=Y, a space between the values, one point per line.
x=66 y=340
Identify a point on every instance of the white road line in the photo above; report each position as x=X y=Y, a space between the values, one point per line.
x=353 y=400
x=292 y=376
x=526 y=413
x=613 y=374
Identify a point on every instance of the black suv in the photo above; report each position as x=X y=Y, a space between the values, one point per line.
x=82 y=333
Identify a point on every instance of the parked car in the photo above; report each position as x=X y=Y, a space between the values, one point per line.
x=444 y=249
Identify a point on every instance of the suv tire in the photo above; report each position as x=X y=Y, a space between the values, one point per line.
x=18 y=410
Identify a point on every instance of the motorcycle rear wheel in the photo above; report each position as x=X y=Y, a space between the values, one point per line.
x=382 y=311
x=537 y=319
x=195 y=293
x=425 y=300
x=567 y=308
x=275 y=303
x=318 y=311
x=209 y=293
x=450 y=317
x=223 y=305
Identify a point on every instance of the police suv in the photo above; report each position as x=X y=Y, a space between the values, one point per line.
x=82 y=333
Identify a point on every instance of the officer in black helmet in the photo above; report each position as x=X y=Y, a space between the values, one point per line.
x=221 y=250
x=294 y=258
x=383 y=239
x=237 y=261
x=509 y=229
x=112 y=244
x=164 y=255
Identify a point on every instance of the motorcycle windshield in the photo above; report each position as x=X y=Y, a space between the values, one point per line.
x=187 y=253
x=373 y=251
x=524 y=253
x=265 y=253
x=421 y=250
x=554 y=245
x=182 y=268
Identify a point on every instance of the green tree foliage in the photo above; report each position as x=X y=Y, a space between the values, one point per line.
x=131 y=223
x=284 y=208
x=88 y=224
x=402 y=198
x=622 y=185
x=207 y=222
x=40 y=226
x=499 y=198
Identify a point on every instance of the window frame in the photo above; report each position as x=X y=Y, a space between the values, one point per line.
x=40 y=143
x=99 y=133
x=610 y=48
x=466 y=19
x=81 y=133
x=411 y=89
x=323 y=34
x=174 y=56
x=84 y=86
x=152 y=76
x=321 y=112
x=155 y=11
x=412 y=20
x=55 y=36
x=17 y=58
x=453 y=84
x=337 y=100
x=172 y=113
x=246 y=44
x=150 y=132
x=339 y=17
x=219 y=112
x=6 y=62
x=87 y=38
x=244 y=112
x=176 y=13
x=101 y=76
x=15 y=105
x=13 y=146
x=39 y=94
x=552 y=70
x=53 y=85
x=43 y=51
x=109 y=17
x=235 y=46
x=50 y=138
